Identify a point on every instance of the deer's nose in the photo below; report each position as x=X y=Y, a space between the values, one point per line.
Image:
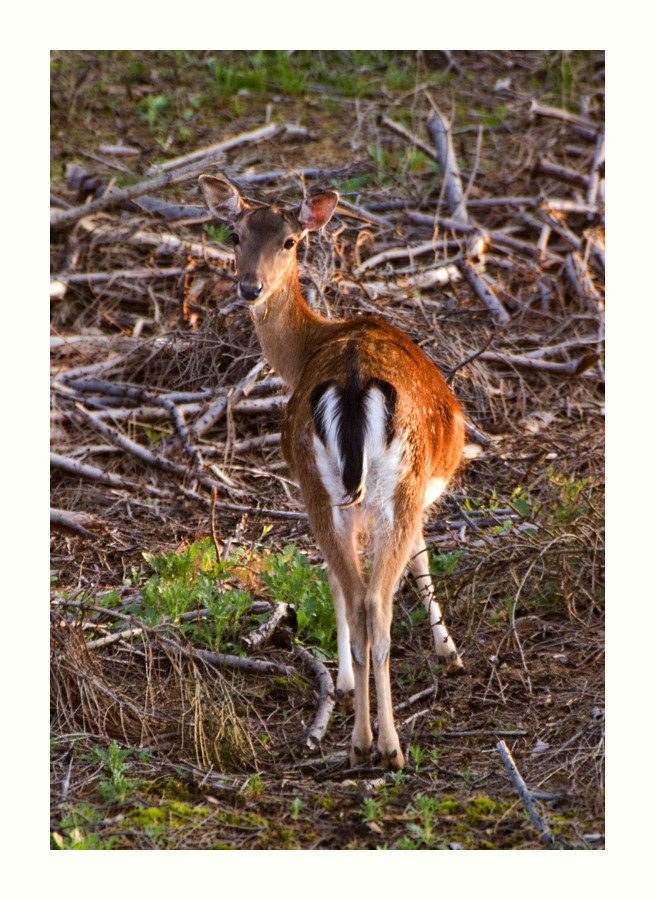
x=249 y=287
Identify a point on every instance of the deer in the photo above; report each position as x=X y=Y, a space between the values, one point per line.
x=372 y=434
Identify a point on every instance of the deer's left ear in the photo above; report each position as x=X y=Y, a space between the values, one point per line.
x=222 y=198
x=316 y=211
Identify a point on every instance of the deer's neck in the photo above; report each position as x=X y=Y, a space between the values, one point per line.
x=288 y=330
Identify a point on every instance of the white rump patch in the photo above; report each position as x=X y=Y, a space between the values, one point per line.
x=380 y=463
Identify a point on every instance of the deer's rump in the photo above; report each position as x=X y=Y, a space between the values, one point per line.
x=357 y=421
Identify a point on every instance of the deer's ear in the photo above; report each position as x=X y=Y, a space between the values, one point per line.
x=222 y=198
x=316 y=211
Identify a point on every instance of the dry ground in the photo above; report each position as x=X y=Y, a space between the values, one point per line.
x=147 y=335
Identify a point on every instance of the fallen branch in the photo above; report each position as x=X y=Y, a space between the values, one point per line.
x=484 y=292
x=594 y=175
x=440 y=132
x=93 y=473
x=219 y=407
x=552 y=112
x=63 y=218
x=399 y=129
x=67 y=519
x=215 y=150
x=316 y=732
x=263 y=633
x=125 y=443
x=561 y=173
x=572 y=367
x=227 y=660
x=160 y=240
x=521 y=789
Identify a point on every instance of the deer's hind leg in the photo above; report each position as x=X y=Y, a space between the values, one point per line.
x=443 y=643
x=335 y=531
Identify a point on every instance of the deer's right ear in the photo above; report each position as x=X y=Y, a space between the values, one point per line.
x=222 y=198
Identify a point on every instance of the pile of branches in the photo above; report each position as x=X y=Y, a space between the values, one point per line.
x=173 y=365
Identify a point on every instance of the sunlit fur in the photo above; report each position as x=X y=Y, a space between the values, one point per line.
x=371 y=432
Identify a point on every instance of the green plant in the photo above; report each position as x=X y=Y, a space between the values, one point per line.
x=418 y=755
x=296 y=805
x=75 y=830
x=422 y=831
x=115 y=786
x=152 y=107
x=371 y=809
x=195 y=579
x=291 y=579
x=254 y=784
x=219 y=234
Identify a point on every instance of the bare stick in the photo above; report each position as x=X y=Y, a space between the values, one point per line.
x=573 y=367
x=552 y=112
x=112 y=274
x=64 y=218
x=594 y=177
x=264 y=632
x=243 y=663
x=561 y=173
x=397 y=128
x=71 y=520
x=397 y=253
x=484 y=292
x=316 y=733
x=214 y=150
x=440 y=132
x=150 y=239
x=161 y=462
x=521 y=789
x=218 y=407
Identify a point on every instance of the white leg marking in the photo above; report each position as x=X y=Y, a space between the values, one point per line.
x=345 y=676
x=420 y=569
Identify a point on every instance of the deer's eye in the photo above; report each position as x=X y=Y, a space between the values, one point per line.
x=234 y=237
x=289 y=244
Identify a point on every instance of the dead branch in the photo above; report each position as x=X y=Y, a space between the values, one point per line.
x=484 y=292
x=573 y=367
x=68 y=519
x=114 y=274
x=561 y=173
x=316 y=732
x=264 y=632
x=441 y=133
x=93 y=473
x=552 y=112
x=399 y=129
x=64 y=218
x=205 y=155
x=125 y=443
x=522 y=790
x=163 y=240
x=358 y=212
x=219 y=407
x=594 y=175
x=229 y=661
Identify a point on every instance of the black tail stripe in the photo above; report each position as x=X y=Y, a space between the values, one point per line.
x=317 y=412
x=351 y=432
x=390 y=397
x=352 y=421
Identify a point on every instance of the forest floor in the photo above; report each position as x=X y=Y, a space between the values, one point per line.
x=178 y=722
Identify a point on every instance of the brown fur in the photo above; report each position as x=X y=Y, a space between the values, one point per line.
x=307 y=349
